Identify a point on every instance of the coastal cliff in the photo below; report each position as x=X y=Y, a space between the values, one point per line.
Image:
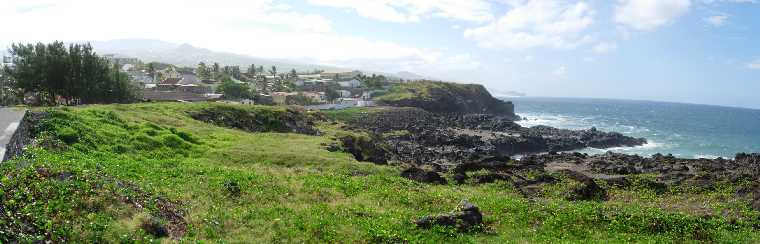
x=442 y=97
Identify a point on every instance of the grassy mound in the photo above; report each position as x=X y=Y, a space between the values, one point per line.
x=152 y=173
x=442 y=97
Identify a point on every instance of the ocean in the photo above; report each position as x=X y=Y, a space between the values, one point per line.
x=684 y=130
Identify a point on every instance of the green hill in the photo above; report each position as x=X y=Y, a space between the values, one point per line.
x=194 y=172
x=443 y=97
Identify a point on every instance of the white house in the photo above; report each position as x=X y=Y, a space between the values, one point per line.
x=340 y=74
x=354 y=83
x=344 y=93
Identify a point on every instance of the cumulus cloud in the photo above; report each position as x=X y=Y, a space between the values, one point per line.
x=260 y=28
x=404 y=11
x=648 y=15
x=537 y=23
x=717 y=20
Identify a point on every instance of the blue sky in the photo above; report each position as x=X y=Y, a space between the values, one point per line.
x=696 y=51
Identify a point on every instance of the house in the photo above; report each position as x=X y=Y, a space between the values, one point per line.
x=367 y=95
x=281 y=98
x=317 y=97
x=242 y=101
x=127 y=67
x=170 y=73
x=140 y=77
x=353 y=83
x=344 y=93
x=340 y=74
x=310 y=77
x=6 y=62
x=168 y=84
x=185 y=83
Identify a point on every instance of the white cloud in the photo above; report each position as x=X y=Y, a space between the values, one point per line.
x=561 y=71
x=404 y=11
x=717 y=20
x=754 y=64
x=254 y=27
x=648 y=15
x=604 y=47
x=729 y=1
x=537 y=23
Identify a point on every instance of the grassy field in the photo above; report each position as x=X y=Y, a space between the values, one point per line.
x=116 y=173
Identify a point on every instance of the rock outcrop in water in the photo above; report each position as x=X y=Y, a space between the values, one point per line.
x=442 y=98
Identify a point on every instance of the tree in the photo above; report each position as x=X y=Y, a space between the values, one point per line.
x=232 y=90
x=203 y=71
x=216 y=68
x=74 y=74
x=273 y=71
x=8 y=94
x=332 y=94
x=252 y=71
x=260 y=70
x=235 y=72
x=293 y=74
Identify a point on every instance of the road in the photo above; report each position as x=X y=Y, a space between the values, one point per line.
x=9 y=121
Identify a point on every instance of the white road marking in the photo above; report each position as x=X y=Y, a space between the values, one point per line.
x=11 y=128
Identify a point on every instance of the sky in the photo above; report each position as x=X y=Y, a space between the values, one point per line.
x=694 y=51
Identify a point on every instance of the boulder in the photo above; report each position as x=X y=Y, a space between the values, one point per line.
x=424 y=176
x=588 y=190
x=465 y=217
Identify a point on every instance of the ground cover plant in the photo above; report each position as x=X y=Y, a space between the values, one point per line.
x=154 y=173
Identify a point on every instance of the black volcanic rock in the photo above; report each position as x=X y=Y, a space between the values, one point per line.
x=465 y=217
x=423 y=176
x=444 y=141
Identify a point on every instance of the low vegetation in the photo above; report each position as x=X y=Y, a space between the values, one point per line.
x=445 y=97
x=152 y=173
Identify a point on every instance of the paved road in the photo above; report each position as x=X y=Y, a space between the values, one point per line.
x=9 y=121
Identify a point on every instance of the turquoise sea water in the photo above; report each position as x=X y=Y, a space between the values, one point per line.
x=684 y=130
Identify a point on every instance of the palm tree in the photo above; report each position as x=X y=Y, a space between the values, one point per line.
x=273 y=71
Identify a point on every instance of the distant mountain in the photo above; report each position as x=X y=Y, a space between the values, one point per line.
x=150 y=50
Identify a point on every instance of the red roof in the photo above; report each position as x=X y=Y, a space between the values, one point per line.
x=171 y=81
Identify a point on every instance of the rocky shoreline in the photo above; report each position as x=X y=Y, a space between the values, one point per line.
x=443 y=141
x=480 y=148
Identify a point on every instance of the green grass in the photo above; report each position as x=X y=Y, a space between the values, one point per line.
x=422 y=90
x=244 y=187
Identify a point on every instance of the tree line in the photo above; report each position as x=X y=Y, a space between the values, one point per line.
x=72 y=74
